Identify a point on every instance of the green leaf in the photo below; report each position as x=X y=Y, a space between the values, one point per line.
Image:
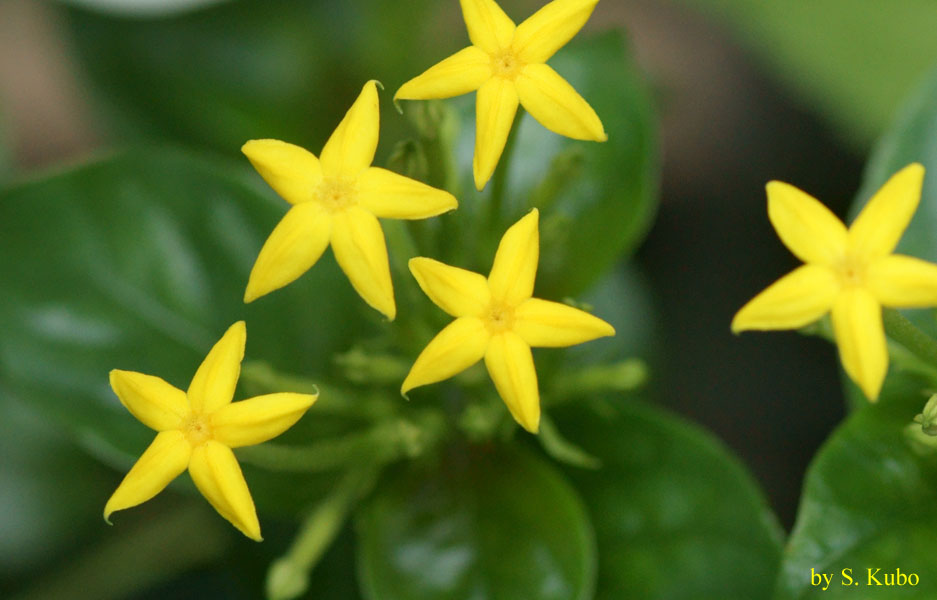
x=624 y=299
x=137 y=559
x=868 y=503
x=235 y=71
x=606 y=211
x=853 y=60
x=676 y=515
x=142 y=8
x=912 y=137
x=488 y=522
x=601 y=204
x=39 y=515
x=139 y=262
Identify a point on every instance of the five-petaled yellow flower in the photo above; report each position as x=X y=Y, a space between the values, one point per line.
x=498 y=320
x=848 y=273
x=506 y=64
x=197 y=430
x=336 y=200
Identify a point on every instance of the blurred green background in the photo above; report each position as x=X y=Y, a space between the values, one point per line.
x=744 y=92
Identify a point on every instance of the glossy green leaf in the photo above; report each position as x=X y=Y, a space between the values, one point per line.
x=868 y=503
x=868 y=497
x=676 y=516
x=235 y=71
x=133 y=560
x=139 y=262
x=624 y=299
x=38 y=514
x=143 y=8
x=597 y=200
x=912 y=137
x=852 y=60
x=487 y=522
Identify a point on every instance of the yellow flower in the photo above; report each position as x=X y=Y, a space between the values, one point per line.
x=197 y=430
x=337 y=199
x=498 y=320
x=506 y=64
x=848 y=273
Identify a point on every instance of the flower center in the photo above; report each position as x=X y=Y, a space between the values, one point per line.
x=196 y=429
x=336 y=193
x=851 y=271
x=500 y=318
x=506 y=65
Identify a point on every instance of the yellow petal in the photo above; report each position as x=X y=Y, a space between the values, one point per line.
x=457 y=347
x=290 y=170
x=797 y=299
x=903 y=281
x=495 y=107
x=488 y=27
x=258 y=419
x=548 y=29
x=295 y=244
x=218 y=476
x=391 y=196
x=880 y=225
x=351 y=147
x=461 y=73
x=542 y=323
x=459 y=292
x=857 y=326
x=515 y=265
x=806 y=227
x=556 y=105
x=511 y=366
x=214 y=382
x=358 y=244
x=151 y=400
x=165 y=458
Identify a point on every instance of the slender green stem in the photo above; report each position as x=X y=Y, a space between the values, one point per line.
x=260 y=378
x=380 y=445
x=386 y=442
x=563 y=450
x=499 y=180
x=401 y=245
x=408 y=322
x=910 y=336
x=289 y=576
x=910 y=362
x=623 y=376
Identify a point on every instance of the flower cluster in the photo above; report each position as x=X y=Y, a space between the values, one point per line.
x=336 y=200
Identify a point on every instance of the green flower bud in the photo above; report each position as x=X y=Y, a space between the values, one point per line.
x=928 y=418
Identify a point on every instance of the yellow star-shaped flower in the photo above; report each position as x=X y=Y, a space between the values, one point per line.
x=848 y=273
x=506 y=64
x=498 y=320
x=197 y=430
x=337 y=199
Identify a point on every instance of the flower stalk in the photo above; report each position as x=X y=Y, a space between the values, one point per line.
x=380 y=445
x=288 y=576
x=499 y=180
x=906 y=333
